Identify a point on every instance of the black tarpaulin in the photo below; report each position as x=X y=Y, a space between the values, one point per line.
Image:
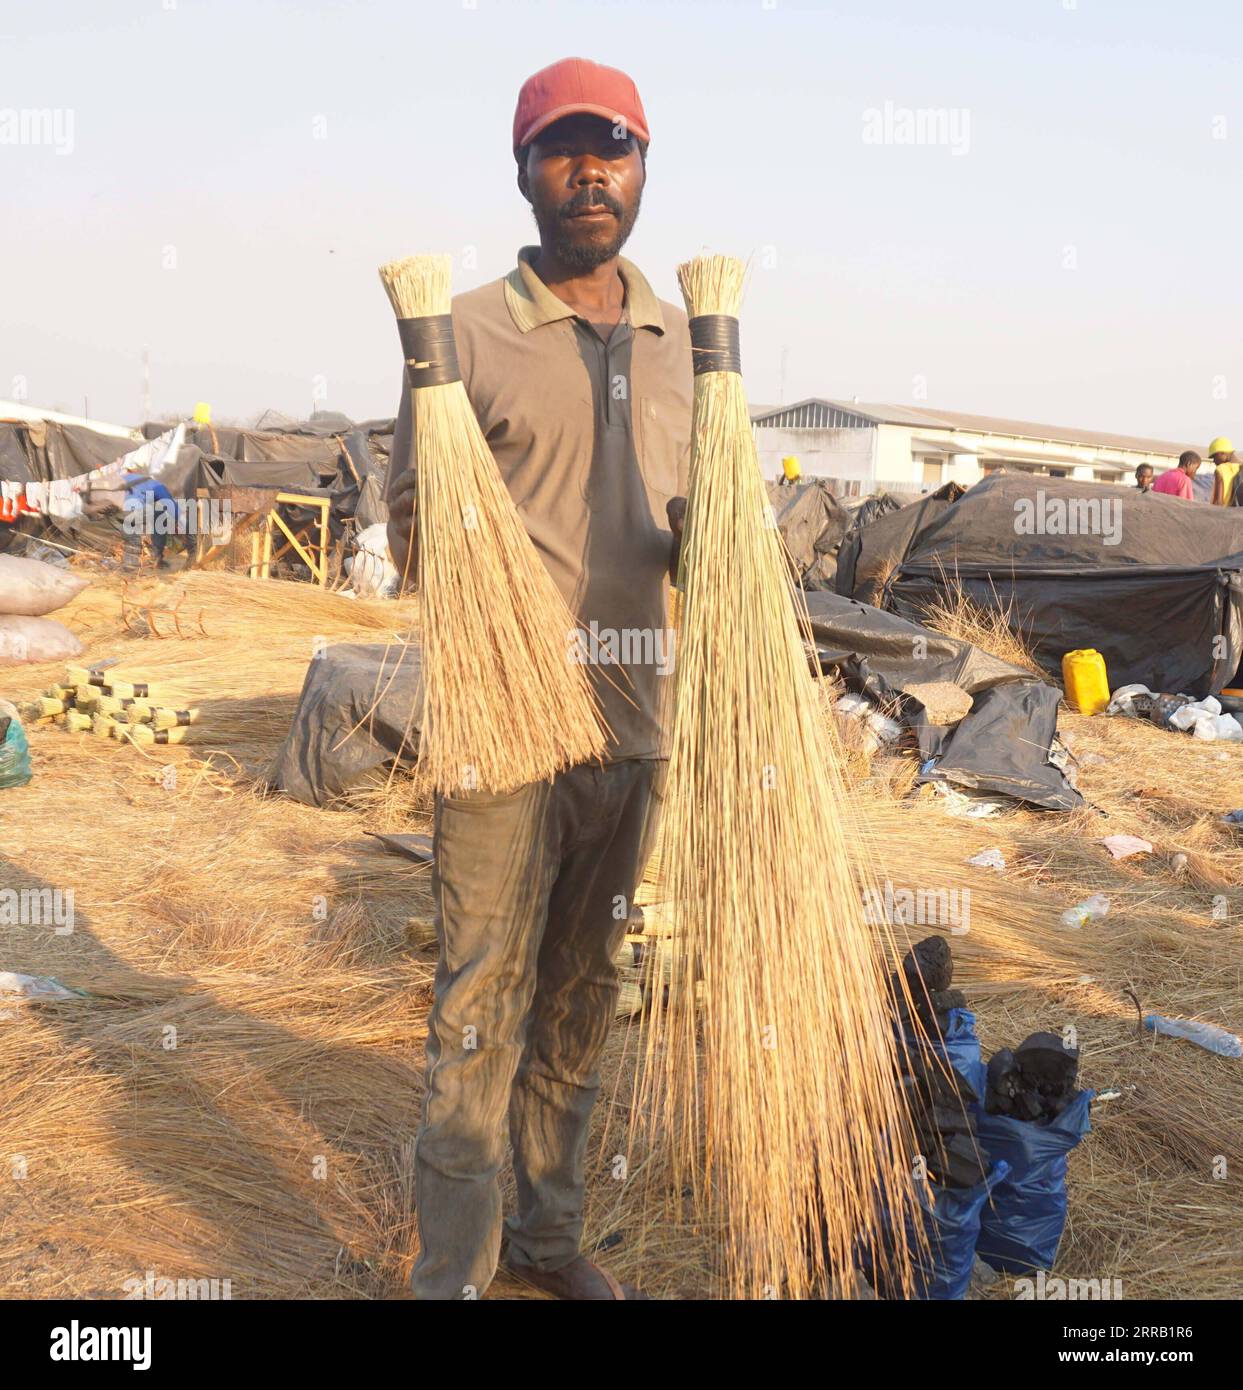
x=354 y=719
x=14 y=462
x=865 y=510
x=1001 y=745
x=1171 y=630
x=75 y=449
x=287 y=474
x=812 y=523
x=1149 y=581
x=871 y=552
x=371 y=509
x=45 y=451
x=1055 y=523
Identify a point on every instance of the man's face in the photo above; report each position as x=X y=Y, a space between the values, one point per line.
x=1193 y=468
x=584 y=184
x=1144 y=477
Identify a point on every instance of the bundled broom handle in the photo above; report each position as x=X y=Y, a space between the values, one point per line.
x=430 y=351
x=714 y=344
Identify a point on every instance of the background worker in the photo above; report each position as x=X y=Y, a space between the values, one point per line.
x=1143 y=477
x=1177 y=481
x=582 y=382
x=1226 y=472
x=150 y=510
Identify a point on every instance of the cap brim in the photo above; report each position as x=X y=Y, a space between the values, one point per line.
x=608 y=113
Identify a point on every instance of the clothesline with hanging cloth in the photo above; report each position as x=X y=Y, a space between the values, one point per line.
x=61 y=498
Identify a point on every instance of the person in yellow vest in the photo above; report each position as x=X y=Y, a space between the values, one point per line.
x=1226 y=474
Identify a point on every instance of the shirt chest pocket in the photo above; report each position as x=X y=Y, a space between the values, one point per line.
x=663 y=437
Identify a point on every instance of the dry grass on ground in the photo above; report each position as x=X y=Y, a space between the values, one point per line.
x=993 y=629
x=271 y=1145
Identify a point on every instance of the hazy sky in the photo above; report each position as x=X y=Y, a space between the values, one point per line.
x=1069 y=252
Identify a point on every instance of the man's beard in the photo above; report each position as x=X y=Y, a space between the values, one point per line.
x=554 y=225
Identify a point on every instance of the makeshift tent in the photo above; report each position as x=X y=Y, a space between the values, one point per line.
x=865 y=510
x=43 y=451
x=47 y=452
x=1153 y=583
x=328 y=456
x=316 y=442
x=813 y=523
x=353 y=721
x=1003 y=744
x=864 y=563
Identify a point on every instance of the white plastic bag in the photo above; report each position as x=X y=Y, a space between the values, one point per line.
x=852 y=706
x=35 y=640
x=989 y=859
x=373 y=574
x=1123 y=698
x=1089 y=910
x=33 y=588
x=885 y=729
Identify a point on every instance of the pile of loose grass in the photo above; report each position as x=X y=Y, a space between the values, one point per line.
x=244 y=676
x=996 y=629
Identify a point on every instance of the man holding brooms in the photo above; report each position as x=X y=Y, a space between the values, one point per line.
x=581 y=380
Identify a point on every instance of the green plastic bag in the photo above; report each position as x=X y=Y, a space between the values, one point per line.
x=15 y=768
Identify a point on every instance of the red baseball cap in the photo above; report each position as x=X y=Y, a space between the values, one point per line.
x=574 y=85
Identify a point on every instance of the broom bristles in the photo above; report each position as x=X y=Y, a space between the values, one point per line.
x=504 y=703
x=771 y=1072
x=418 y=287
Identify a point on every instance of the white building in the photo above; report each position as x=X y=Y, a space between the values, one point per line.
x=908 y=449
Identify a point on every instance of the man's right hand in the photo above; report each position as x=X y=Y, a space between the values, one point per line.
x=402 y=535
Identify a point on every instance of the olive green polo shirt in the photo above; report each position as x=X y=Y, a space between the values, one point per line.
x=590 y=430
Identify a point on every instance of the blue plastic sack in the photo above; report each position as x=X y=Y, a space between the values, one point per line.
x=961 y=1049
x=1021 y=1230
x=15 y=768
x=958 y=1047
x=951 y=1226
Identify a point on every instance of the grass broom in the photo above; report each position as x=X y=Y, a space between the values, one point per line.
x=503 y=703
x=777 y=1091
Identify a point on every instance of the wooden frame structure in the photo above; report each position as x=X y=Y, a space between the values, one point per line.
x=313 y=553
x=261 y=518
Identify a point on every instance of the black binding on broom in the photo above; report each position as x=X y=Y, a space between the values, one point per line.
x=430 y=351
x=714 y=343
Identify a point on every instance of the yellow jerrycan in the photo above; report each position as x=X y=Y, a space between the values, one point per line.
x=1085 y=681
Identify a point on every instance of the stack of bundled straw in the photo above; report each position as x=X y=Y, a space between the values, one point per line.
x=503 y=704
x=777 y=1092
x=110 y=705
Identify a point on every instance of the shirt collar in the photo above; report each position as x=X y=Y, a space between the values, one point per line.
x=531 y=303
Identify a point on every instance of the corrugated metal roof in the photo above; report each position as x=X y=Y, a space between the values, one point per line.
x=991 y=424
x=813 y=413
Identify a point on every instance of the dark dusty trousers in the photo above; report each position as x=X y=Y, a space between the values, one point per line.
x=532 y=893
